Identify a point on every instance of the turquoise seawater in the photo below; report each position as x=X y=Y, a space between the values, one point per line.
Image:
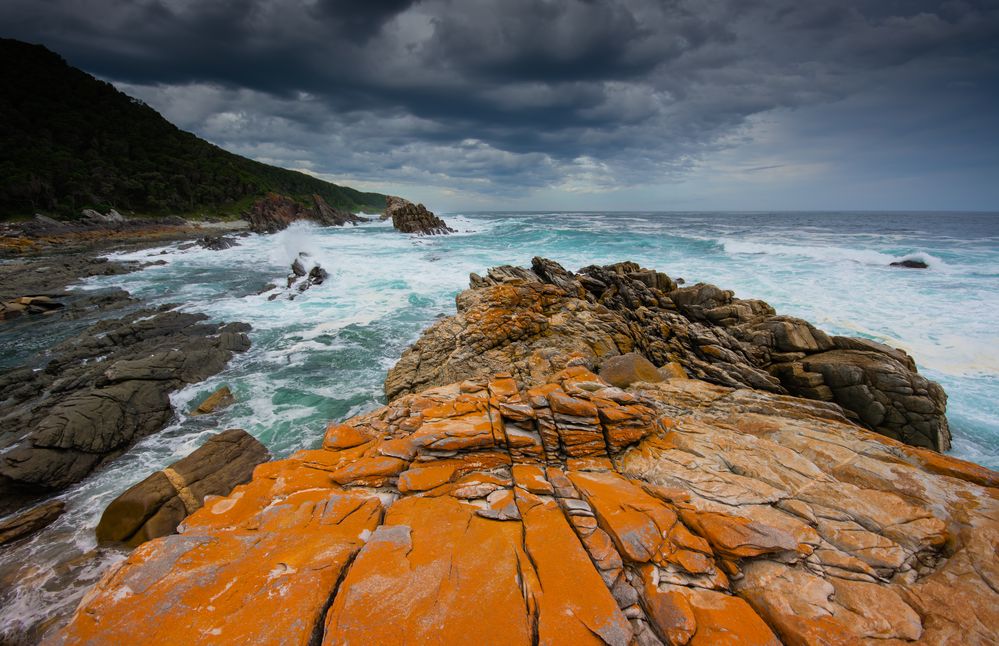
x=323 y=356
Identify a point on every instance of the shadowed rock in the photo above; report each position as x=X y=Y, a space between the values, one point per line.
x=155 y=506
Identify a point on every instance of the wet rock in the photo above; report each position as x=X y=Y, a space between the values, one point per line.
x=302 y=278
x=221 y=398
x=101 y=391
x=538 y=321
x=217 y=243
x=727 y=515
x=909 y=263
x=23 y=524
x=414 y=218
x=157 y=505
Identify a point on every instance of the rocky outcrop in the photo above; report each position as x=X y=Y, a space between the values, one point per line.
x=217 y=243
x=413 y=218
x=100 y=392
x=575 y=512
x=535 y=322
x=26 y=523
x=155 y=506
x=275 y=212
x=328 y=216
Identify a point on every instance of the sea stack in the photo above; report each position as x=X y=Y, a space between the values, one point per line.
x=414 y=218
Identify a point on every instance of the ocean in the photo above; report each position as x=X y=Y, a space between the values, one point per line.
x=323 y=356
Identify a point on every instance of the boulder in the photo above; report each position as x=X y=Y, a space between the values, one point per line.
x=626 y=369
x=414 y=218
x=221 y=398
x=23 y=524
x=156 y=506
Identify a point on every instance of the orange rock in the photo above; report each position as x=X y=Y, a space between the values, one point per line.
x=341 y=436
x=635 y=520
x=209 y=585
x=724 y=619
x=434 y=573
x=574 y=606
x=530 y=478
x=370 y=471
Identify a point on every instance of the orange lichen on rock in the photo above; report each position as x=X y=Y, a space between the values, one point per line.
x=573 y=512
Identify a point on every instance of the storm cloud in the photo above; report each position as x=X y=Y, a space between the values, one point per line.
x=565 y=101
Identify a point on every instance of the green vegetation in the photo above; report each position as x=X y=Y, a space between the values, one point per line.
x=69 y=141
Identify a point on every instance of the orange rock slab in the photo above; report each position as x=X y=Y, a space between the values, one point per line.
x=208 y=587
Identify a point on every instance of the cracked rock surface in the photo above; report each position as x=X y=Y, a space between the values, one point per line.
x=569 y=511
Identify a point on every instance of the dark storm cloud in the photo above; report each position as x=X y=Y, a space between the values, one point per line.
x=489 y=95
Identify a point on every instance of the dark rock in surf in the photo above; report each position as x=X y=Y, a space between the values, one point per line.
x=103 y=390
x=908 y=263
x=28 y=522
x=217 y=243
x=157 y=505
x=414 y=218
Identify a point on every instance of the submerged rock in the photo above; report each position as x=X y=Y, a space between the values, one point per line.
x=221 y=398
x=28 y=522
x=908 y=263
x=573 y=511
x=158 y=504
x=414 y=218
x=537 y=321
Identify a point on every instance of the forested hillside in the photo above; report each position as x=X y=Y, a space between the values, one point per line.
x=69 y=141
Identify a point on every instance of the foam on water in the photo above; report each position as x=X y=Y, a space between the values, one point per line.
x=322 y=357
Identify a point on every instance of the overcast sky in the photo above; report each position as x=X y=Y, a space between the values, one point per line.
x=571 y=104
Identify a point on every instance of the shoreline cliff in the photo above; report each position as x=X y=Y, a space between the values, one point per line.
x=555 y=465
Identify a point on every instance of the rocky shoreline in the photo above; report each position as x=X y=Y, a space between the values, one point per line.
x=594 y=457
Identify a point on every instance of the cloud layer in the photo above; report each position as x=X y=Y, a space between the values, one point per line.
x=564 y=101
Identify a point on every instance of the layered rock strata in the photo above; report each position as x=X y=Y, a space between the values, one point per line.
x=155 y=506
x=101 y=391
x=574 y=512
x=535 y=322
x=413 y=218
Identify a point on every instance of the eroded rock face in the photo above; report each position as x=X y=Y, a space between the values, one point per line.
x=102 y=391
x=275 y=212
x=575 y=512
x=155 y=506
x=537 y=321
x=414 y=218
